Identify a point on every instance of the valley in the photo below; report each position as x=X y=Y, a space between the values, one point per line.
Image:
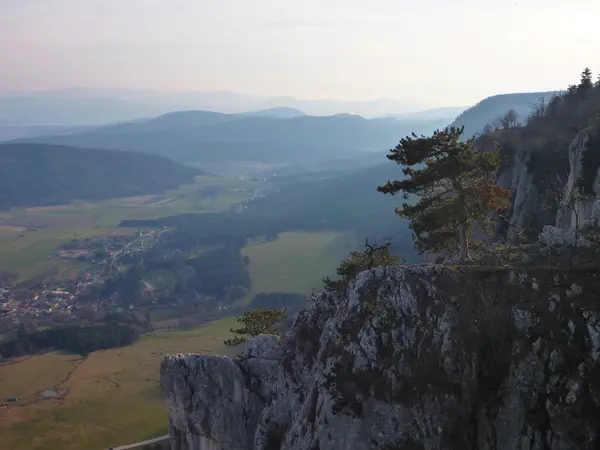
x=223 y=219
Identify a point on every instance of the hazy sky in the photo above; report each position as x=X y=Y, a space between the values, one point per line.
x=439 y=52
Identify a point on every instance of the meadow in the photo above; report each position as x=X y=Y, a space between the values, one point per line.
x=296 y=261
x=112 y=397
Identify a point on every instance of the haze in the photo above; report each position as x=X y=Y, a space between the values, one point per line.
x=433 y=53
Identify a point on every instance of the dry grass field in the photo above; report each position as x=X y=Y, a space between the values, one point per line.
x=112 y=397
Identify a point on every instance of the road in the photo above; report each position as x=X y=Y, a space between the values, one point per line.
x=141 y=444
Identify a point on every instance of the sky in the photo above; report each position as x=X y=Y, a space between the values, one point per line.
x=436 y=52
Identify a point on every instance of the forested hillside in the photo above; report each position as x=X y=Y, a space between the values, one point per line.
x=36 y=174
x=490 y=109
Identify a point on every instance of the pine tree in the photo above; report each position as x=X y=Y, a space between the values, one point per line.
x=259 y=321
x=586 y=80
x=456 y=187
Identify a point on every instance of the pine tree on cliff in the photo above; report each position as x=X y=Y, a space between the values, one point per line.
x=586 y=80
x=259 y=321
x=456 y=186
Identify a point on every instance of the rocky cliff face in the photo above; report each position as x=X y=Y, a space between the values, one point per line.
x=577 y=208
x=414 y=358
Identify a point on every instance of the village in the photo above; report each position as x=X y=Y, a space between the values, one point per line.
x=62 y=299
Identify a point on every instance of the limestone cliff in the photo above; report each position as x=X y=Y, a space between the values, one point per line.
x=537 y=176
x=418 y=358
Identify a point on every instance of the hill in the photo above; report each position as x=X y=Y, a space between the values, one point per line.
x=490 y=108
x=205 y=136
x=36 y=174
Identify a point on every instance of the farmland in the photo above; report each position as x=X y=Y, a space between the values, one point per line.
x=111 y=397
x=29 y=235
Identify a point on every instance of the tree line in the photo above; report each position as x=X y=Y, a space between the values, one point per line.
x=77 y=339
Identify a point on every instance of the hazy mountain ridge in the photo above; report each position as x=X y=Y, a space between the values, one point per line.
x=443 y=113
x=37 y=174
x=206 y=136
x=83 y=106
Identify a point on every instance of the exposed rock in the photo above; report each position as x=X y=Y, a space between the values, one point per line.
x=527 y=202
x=559 y=237
x=423 y=358
x=214 y=402
x=576 y=208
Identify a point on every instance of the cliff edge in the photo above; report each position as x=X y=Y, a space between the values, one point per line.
x=421 y=357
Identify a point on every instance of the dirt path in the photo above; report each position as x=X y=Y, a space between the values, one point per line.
x=141 y=444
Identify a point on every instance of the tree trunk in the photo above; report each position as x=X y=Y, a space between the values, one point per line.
x=463 y=243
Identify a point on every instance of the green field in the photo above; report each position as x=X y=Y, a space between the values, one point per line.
x=296 y=261
x=29 y=235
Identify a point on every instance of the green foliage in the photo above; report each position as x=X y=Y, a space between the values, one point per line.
x=35 y=174
x=455 y=183
x=373 y=255
x=259 y=321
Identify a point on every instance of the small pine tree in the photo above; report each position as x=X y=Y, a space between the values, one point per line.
x=455 y=183
x=259 y=321
x=373 y=255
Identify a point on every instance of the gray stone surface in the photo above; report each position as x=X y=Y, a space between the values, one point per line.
x=407 y=358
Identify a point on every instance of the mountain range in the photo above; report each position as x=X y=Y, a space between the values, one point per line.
x=83 y=106
x=282 y=136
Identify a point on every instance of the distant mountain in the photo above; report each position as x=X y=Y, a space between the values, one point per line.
x=490 y=108
x=205 y=136
x=82 y=106
x=58 y=111
x=366 y=108
x=281 y=112
x=10 y=132
x=37 y=174
x=448 y=113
